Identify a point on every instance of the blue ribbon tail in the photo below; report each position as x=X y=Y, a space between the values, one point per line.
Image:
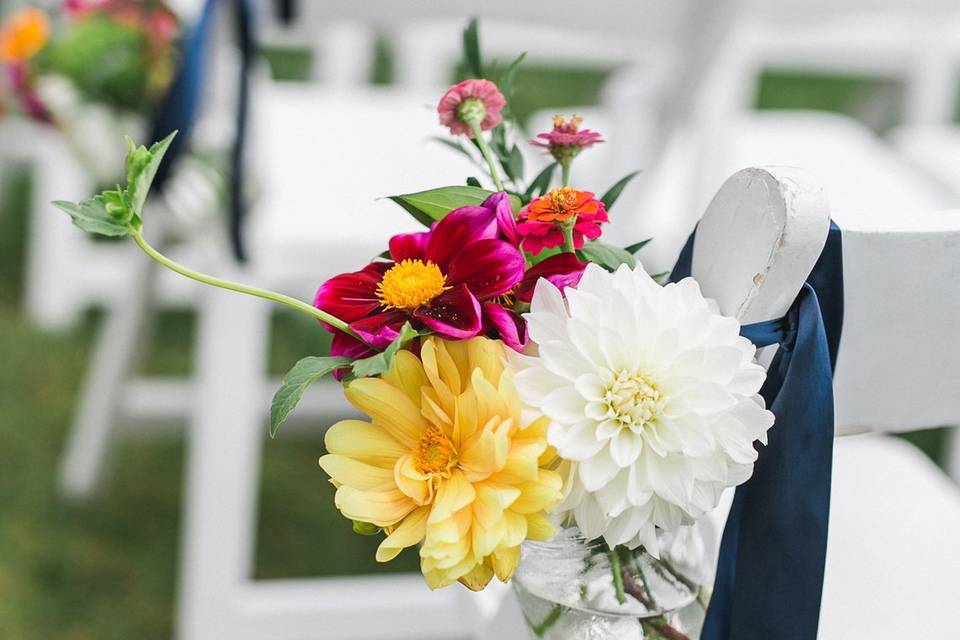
x=770 y=571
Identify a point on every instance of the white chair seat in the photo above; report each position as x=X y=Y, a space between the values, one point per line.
x=934 y=149
x=892 y=552
x=892 y=555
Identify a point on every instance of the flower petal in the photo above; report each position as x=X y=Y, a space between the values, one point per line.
x=510 y=327
x=353 y=473
x=562 y=270
x=382 y=508
x=409 y=246
x=502 y=208
x=454 y=494
x=364 y=441
x=351 y=296
x=488 y=267
x=452 y=314
x=457 y=230
x=380 y=329
x=407 y=534
x=389 y=407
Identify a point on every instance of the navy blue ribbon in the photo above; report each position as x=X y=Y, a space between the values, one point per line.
x=180 y=107
x=770 y=572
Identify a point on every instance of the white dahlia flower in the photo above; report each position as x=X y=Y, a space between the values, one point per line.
x=653 y=398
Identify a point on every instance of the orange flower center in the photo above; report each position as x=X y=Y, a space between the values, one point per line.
x=23 y=35
x=556 y=205
x=410 y=284
x=434 y=453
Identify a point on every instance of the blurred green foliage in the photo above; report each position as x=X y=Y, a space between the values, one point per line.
x=105 y=60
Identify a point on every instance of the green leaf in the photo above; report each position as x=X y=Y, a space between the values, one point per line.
x=380 y=363
x=509 y=74
x=92 y=215
x=543 y=255
x=365 y=528
x=514 y=164
x=633 y=248
x=142 y=165
x=541 y=183
x=607 y=256
x=456 y=146
x=302 y=375
x=432 y=205
x=471 y=49
x=614 y=192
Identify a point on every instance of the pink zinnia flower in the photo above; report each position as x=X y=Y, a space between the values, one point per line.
x=471 y=100
x=538 y=222
x=566 y=139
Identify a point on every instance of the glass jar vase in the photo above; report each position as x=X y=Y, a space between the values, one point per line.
x=571 y=588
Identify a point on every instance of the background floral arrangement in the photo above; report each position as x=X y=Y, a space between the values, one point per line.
x=97 y=65
x=519 y=374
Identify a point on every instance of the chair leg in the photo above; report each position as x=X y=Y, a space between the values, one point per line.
x=101 y=398
x=222 y=465
x=55 y=249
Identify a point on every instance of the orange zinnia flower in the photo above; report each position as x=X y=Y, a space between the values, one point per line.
x=23 y=34
x=559 y=205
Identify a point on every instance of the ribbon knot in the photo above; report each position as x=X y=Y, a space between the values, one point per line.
x=770 y=571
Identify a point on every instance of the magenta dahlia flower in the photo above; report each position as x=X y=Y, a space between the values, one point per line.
x=566 y=139
x=462 y=278
x=471 y=101
x=437 y=279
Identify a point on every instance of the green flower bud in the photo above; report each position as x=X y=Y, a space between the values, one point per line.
x=365 y=528
x=472 y=111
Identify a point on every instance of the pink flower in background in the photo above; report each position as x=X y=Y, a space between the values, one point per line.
x=471 y=99
x=22 y=84
x=566 y=139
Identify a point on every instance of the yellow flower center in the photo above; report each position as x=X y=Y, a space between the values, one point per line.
x=410 y=284
x=434 y=453
x=563 y=199
x=632 y=400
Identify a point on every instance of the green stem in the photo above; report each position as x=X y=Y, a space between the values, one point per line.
x=540 y=630
x=617 y=575
x=565 y=173
x=241 y=288
x=487 y=154
x=566 y=228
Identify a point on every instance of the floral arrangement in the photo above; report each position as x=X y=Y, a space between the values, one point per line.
x=520 y=376
x=94 y=69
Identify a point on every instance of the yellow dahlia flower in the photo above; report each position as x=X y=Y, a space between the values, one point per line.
x=447 y=462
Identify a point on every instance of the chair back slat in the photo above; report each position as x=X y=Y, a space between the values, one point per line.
x=897 y=368
x=758 y=241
